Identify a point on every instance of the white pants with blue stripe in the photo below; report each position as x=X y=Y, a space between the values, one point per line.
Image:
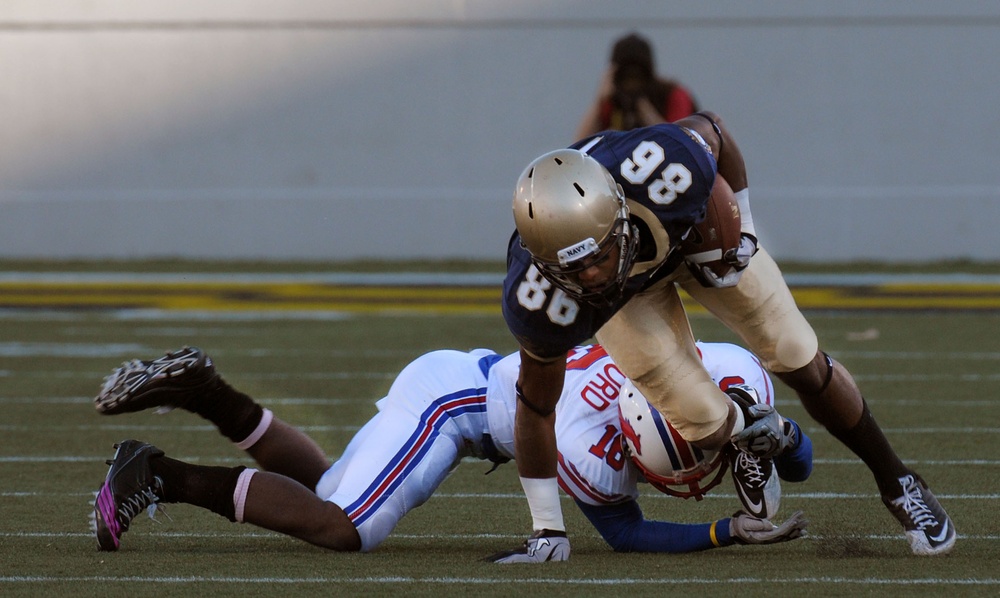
x=434 y=414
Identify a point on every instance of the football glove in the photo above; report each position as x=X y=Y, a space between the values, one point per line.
x=738 y=258
x=765 y=433
x=746 y=529
x=543 y=546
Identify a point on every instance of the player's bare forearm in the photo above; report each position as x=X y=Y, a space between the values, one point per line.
x=535 y=445
x=539 y=386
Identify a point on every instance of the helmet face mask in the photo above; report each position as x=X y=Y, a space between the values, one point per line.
x=571 y=215
x=566 y=274
x=668 y=462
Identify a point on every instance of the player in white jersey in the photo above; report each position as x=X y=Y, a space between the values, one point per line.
x=443 y=406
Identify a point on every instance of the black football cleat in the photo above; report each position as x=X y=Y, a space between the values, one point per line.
x=169 y=382
x=927 y=525
x=129 y=488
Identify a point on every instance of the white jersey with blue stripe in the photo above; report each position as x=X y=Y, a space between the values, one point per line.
x=592 y=468
x=441 y=406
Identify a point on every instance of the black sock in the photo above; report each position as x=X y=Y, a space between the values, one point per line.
x=234 y=413
x=868 y=441
x=204 y=486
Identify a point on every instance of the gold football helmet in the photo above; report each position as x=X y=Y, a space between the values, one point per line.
x=571 y=215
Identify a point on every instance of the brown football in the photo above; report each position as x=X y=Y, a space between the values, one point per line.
x=718 y=232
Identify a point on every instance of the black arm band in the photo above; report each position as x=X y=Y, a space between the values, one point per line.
x=718 y=131
x=520 y=397
x=829 y=373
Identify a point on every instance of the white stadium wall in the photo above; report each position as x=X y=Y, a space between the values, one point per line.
x=317 y=129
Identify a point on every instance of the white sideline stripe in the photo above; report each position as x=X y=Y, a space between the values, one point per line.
x=247 y=376
x=277 y=536
x=519 y=496
x=928 y=378
x=209 y=428
x=930 y=355
x=165 y=428
x=359 y=375
x=129 y=350
x=814 y=430
x=275 y=401
x=915 y=462
x=202 y=459
x=935 y=402
x=15 y=349
x=174 y=315
x=318 y=402
x=673 y=581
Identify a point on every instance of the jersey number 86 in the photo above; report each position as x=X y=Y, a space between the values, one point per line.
x=532 y=294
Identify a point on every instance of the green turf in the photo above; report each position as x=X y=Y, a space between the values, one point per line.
x=930 y=379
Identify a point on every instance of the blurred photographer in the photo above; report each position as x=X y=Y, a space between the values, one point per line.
x=631 y=95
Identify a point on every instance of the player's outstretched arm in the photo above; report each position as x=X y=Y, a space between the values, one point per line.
x=539 y=385
x=625 y=529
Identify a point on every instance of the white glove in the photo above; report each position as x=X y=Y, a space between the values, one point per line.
x=766 y=434
x=543 y=546
x=746 y=529
x=738 y=259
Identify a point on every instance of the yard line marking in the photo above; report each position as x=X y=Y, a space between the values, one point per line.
x=127 y=350
x=969 y=430
x=390 y=375
x=151 y=428
x=673 y=581
x=380 y=375
x=471 y=460
x=857 y=461
x=27 y=349
x=963 y=355
x=650 y=494
x=15 y=349
x=355 y=375
x=322 y=428
x=474 y=536
x=320 y=402
x=274 y=401
x=927 y=377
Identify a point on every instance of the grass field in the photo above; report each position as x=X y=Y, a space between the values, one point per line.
x=930 y=373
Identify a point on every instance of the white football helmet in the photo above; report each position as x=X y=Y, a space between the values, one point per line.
x=668 y=462
x=571 y=214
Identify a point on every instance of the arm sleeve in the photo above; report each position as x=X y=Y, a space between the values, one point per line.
x=796 y=465
x=625 y=529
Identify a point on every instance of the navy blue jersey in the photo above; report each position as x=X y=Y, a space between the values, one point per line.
x=667 y=174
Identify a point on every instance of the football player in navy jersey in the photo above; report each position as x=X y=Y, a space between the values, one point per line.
x=596 y=253
x=444 y=406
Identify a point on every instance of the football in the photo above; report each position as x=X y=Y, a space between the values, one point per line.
x=719 y=232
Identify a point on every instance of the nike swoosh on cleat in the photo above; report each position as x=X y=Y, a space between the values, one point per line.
x=942 y=536
x=756 y=508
